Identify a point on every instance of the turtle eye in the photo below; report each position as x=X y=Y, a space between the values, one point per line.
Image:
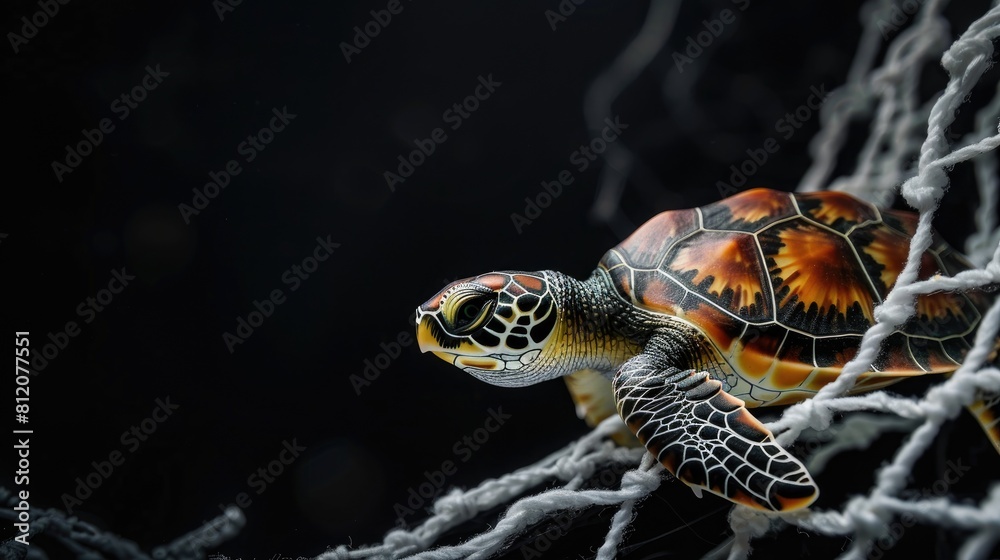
x=469 y=311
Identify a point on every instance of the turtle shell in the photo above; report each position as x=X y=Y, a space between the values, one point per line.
x=785 y=285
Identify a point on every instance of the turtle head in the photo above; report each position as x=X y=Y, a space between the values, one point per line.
x=493 y=326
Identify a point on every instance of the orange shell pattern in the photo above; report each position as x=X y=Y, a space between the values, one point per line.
x=785 y=285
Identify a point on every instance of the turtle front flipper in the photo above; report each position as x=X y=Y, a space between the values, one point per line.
x=705 y=436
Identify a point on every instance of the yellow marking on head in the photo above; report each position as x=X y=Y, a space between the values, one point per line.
x=480 y=363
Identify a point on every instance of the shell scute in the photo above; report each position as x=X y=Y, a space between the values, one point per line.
x=955 y=348
x=721 y=327
x=836 y=210
x=952 y=262
x=758 y=348
x=646 y=246
x=655 y=291
x=820 y=286
x=795 y=362
x=831 y=352
x=748 y=211
x=942 y=314
x=883 y=253
x=895 y=356
x=930 y=355
x=726 y=268
x=903 y=222
x=621 y=276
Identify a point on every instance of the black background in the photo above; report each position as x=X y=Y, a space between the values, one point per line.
x=323 y=176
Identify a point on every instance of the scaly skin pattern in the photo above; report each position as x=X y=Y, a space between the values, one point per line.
x=595 y=330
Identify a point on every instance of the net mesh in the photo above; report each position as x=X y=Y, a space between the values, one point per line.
x=909 y=151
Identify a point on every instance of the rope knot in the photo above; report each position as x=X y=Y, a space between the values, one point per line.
x=895 y=313
x=744 y=520
x=866 y=519
x=810 y=413
x=924 y=191
x=401 y=540
x=963 y=54
x=339 y=553
x=455 y=504
x=645 y=480
x=568 y=467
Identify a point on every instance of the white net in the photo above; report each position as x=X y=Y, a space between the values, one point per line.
x=911 y=148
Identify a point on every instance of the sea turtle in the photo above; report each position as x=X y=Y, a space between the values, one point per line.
x=757 y=300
